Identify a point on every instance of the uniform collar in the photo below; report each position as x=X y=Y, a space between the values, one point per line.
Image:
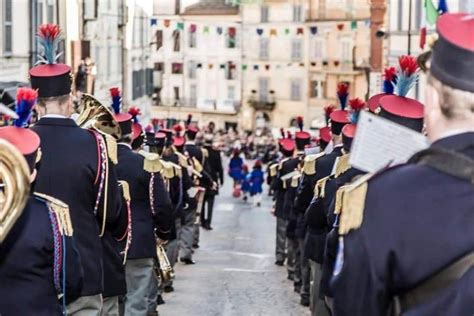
x=190 y=142
x=456 y=142
x=126 y=145
x=56 y=121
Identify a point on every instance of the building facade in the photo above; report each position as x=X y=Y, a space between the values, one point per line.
x=406 y=18
x=296 y=52
x=197 y=60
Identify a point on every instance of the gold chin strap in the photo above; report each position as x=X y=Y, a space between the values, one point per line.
x=14 y=186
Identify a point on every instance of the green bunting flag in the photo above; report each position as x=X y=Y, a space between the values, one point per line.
x=431 y=12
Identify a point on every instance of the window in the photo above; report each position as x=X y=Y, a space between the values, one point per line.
x=263 y=48
x=297 y=10
x=159 y=67
x=264 y=10
x=400 y=15
x=295 y=92
x=231 y=71
x=296 y=50
x=192 y=69
x=319 y=48
x=231 y=35
x=231 y=92
x=317 y=89
x=159 y=39
x=346 y=49
x=193 y=94
x=192 y=37
x=176 y=68
x=50 y=13
x=177 y=39
x=263 y=89
x=139 y=83
x=419 y=14
x=176 y=93
x=90 y=9
x=149 y=82
x=7 y=27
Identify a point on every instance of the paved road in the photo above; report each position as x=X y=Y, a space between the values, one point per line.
x=235 y=272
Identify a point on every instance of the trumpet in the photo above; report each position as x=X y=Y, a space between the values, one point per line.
x=95 y=115
x=14 y=186
x=163 y=268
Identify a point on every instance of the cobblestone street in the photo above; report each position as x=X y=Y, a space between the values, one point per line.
x=235 y=272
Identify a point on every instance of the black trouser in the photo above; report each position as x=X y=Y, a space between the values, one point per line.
x=206 y=217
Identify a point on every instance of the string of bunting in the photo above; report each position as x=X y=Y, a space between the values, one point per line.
x=313 y=30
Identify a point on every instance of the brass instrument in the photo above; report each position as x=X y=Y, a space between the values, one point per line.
x=14 y=186
x=95 y=115
x=163 y=268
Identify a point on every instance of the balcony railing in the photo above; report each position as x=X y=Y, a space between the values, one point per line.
x=202 y=104
x=262 y=105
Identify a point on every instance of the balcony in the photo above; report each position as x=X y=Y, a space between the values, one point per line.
x=262 y=105
x=201 y=105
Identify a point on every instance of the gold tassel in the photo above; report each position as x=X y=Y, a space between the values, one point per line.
x=125 y=190
x=111 y=148
x=167 y=170
x=61 y=211
x=152 y=162
x=273 y=170
x=320 y=187
x=197 y=165
x=295 y=181
x=309 y=167
x=342 y=165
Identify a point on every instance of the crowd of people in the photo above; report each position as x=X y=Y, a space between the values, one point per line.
x=96 y=211
x=398 y=241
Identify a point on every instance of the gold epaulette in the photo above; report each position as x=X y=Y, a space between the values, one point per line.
x=183 y=160
x=205 y=152
x=167 y=171
x=309 y=167
x=295 y=180
x=152 y=162
x=342 y=165
x=338 y=200
x=197 y=165
x=111 y=144
x=320 y=187
x=352 y=203
x=61 y=211
x=125 y=190
x=273 y=169
x=280 y=164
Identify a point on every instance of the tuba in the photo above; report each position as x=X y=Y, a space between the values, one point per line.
x=95 y=115
x=14 y=186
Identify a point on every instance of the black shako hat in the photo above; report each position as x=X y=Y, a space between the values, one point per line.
x=50 y=79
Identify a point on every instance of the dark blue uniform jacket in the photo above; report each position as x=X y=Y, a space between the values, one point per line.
x=417 y=220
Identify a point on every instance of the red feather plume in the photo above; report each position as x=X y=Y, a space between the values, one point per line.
x=50 y=31
x=408 y=64
x=356 y=104
x=114 y=92
x=134 y=111
x=389 y=73
x=342 y=88
x=177 y=128
x=299 y=121
x=328 y=109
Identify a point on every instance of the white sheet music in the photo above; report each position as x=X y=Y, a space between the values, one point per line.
x=379 y=143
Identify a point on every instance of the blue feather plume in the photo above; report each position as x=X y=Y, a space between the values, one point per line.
x=405 y=83
x=116 y=99
x=442 y=7
x=25 y=101
x=49 y=38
